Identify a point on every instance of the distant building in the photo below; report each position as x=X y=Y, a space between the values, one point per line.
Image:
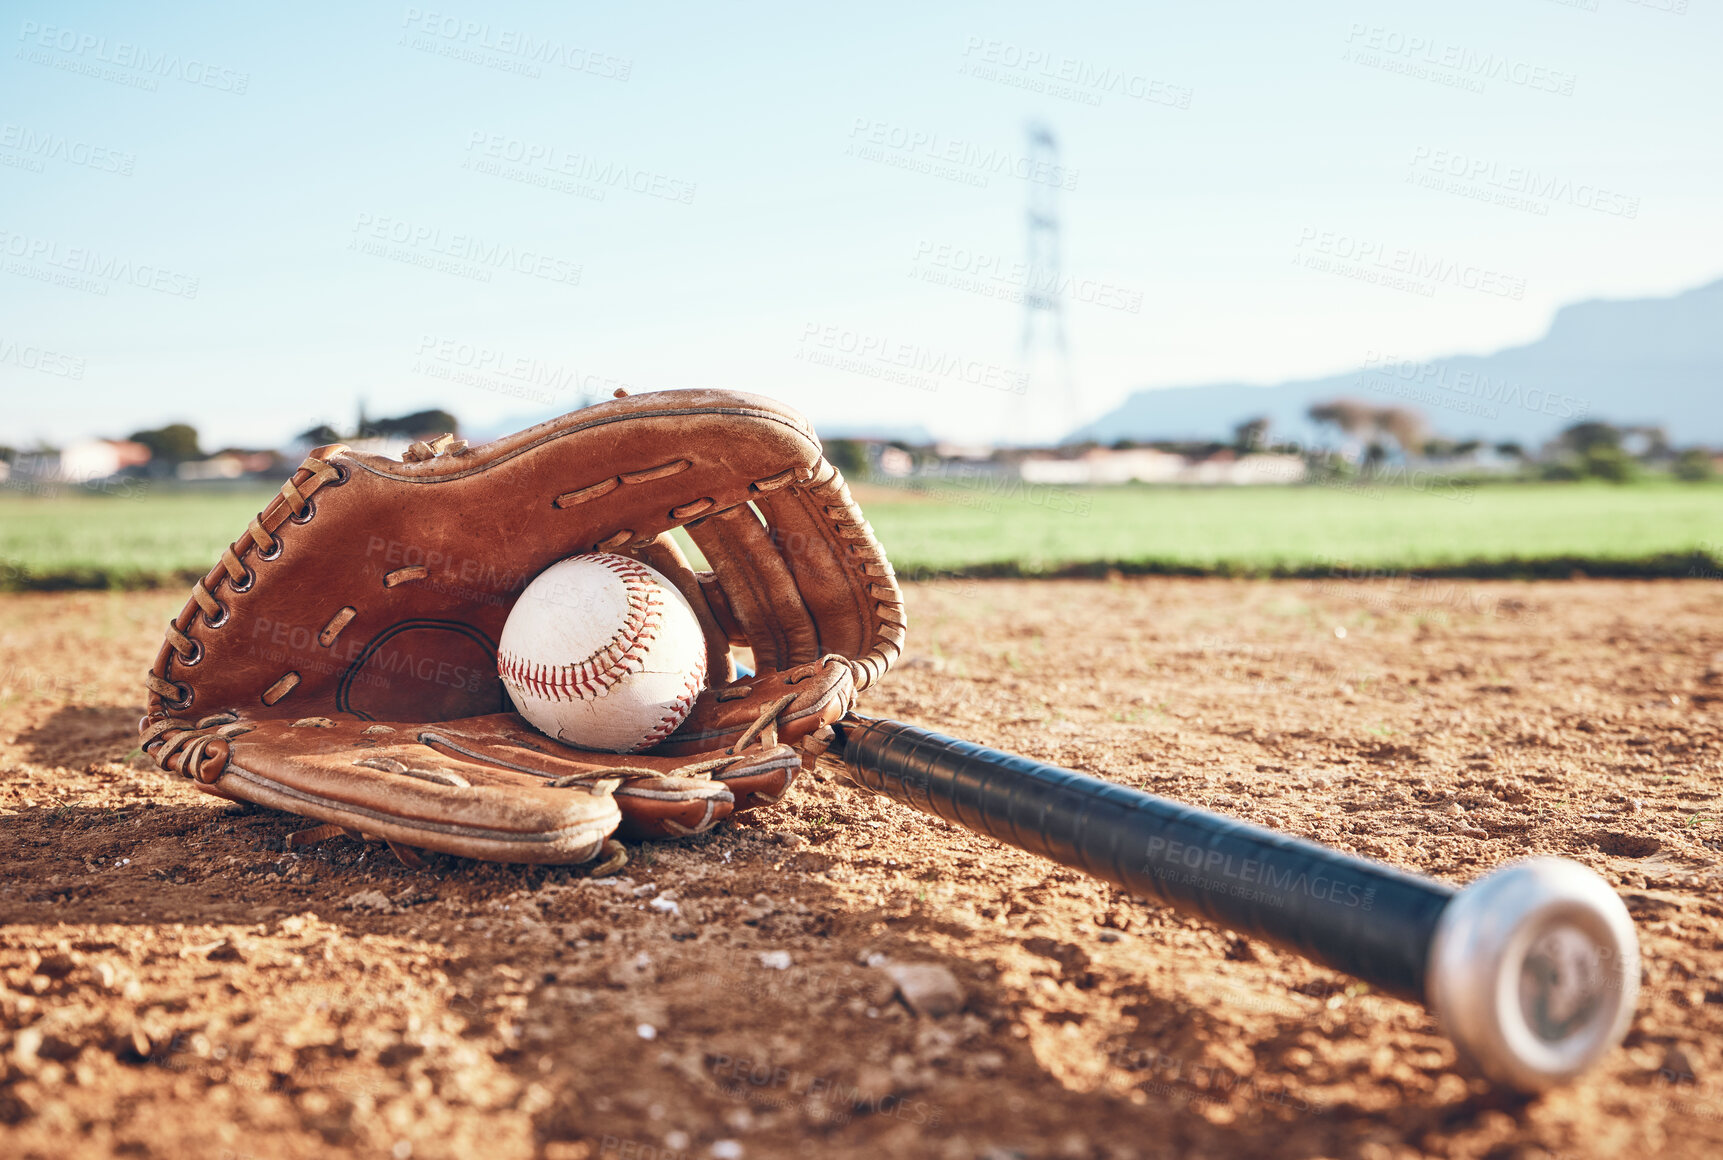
x=973 y=451
x=896 y=462
x=231 y=464
x=1102 y=466
x=1478 y=461
x=215 y=467
x=1246 y=470
x=82 y=462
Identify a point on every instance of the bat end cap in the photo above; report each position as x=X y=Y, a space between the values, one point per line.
x=1534 y=972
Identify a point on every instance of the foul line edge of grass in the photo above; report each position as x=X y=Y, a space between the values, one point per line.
x=91 y=579
x=1661 y=566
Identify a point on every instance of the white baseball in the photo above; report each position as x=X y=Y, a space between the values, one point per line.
x=602 y=652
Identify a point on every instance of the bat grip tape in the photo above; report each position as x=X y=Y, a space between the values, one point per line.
x=1359 y=917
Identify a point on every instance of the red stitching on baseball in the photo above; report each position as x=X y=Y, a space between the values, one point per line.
x=679 y=708
x=625 y=652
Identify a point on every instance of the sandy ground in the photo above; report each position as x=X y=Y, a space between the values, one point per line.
x=173 y=984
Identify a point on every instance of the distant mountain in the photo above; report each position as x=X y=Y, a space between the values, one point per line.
x=1651 y=361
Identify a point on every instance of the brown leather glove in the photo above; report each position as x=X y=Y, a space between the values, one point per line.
x=340 y=660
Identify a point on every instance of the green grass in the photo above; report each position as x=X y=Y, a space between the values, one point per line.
x=136 y=539
x=168 y=536
x=1526 y=529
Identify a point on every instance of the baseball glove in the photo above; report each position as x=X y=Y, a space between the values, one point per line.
x=340 y=661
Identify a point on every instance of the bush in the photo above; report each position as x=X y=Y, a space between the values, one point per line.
x=1601 y=461
x=1694 y=466
x=175 y=443
x=848 y=456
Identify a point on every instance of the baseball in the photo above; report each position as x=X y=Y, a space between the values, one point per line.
x=602 y=652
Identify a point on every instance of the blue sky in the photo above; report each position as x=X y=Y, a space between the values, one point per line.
x=251 y=219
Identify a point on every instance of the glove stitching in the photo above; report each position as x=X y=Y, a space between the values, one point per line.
x=867 y=557
x=291 y=503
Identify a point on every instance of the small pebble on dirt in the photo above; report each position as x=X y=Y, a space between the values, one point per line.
x=928 y=988
x=374 y=900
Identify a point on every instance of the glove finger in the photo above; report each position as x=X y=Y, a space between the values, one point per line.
x=823 y=691
x=755 y=787
x=845 y=582
x=383 y=781
x=758 y=587
x=672 y=807
x=660 y=795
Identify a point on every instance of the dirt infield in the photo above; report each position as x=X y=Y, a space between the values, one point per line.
x=173 y=984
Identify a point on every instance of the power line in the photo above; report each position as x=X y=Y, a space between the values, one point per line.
x=1045 y=347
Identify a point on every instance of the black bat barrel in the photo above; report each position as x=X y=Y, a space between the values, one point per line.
x=1359 y=917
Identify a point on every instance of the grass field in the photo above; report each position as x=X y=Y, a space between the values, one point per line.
x=1548 y=529
x=119 y=541
x=90 y=541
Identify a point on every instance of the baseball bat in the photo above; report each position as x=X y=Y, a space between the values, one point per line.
x=1532 y=970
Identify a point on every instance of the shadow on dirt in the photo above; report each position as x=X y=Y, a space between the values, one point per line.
x=765 y=990
x=148 y=862
x=75 y=735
